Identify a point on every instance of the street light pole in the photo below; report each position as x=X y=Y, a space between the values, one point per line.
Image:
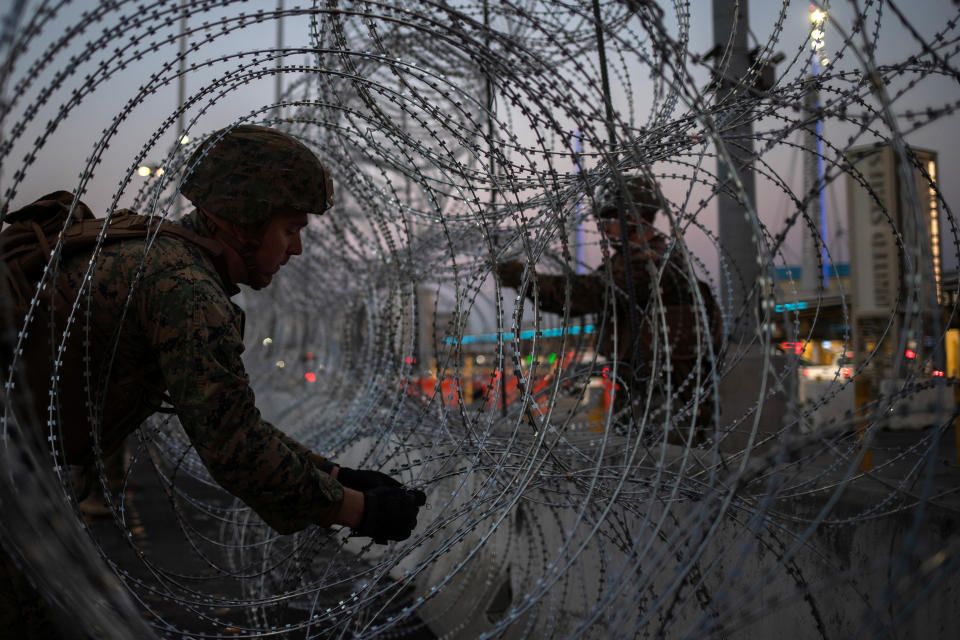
x=735 y=230
x=815 y=244
x=181 y=92
x=278 y=79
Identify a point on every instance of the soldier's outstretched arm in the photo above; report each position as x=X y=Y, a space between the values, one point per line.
x=195 y=332
x=586 y=293
x=586 y=290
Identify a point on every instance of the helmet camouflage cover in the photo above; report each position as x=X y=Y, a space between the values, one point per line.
x=641 y=192
x=247 y=173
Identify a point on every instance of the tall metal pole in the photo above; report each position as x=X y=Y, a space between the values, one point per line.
x=181 y=92
x=809 y=275
x=578 y=168
x=730 y=23
x=813 y=169
x=182 y=70
x=822 y=195
x=3 y=111
x=493 y=168
x=278 y=79
x=605 y=84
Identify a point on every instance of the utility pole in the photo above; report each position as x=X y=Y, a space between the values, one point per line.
x=279 y=77
x=815 y=243
x=578 y=168
x=181 y=95
x=8 y=30
x=746 y=387
x=813 y=240
x=735 y=230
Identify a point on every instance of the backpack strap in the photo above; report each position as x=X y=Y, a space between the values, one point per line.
x=50 y=208
x=30 y=234
x=125 y=224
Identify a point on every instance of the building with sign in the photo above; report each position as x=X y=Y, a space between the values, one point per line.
x=888 y=308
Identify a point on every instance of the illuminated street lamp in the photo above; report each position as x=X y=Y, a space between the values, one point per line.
x=814 y=170
x=147 y=170
x=818 y=17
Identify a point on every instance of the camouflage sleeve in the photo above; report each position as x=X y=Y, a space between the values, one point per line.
x=586 y=293
x=195 y=332
x=298 y=448
x=305 y=453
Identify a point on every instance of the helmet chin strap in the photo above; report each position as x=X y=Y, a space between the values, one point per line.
x=246 y=249
x=255 y=279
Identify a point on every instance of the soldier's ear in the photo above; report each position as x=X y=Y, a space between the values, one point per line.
x=243 y=233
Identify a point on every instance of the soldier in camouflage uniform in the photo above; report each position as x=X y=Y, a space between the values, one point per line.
x=162 y=328
x=644 y=359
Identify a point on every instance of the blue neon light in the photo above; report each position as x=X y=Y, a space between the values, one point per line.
x=790 y=306
x=524 y=335
x=822 y=187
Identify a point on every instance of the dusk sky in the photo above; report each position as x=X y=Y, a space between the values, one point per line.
x=63 y=157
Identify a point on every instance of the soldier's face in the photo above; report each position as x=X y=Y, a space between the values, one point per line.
x=280 y=241
x=611 y=227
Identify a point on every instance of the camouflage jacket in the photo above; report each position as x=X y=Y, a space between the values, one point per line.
x=680 y=323
x=180 y=335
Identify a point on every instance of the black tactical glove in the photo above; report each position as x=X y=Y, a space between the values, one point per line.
x=364 y=480
x=390 y=513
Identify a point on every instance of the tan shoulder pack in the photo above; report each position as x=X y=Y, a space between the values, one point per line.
x=32 y=233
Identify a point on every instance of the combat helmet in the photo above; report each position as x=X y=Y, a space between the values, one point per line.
x=640 y=195
x=247 y=173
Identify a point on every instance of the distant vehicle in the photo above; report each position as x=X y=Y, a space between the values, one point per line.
x=827 y=396
x=840 y=370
